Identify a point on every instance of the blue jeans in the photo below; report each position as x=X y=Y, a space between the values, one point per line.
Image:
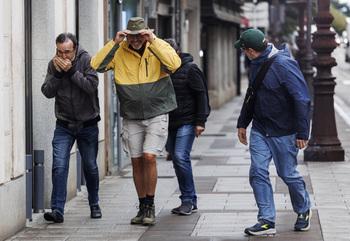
x=179 y=146
x=284 y=152
x=63 y=140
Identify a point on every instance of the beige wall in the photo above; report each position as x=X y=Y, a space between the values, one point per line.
x=12 y=124
x=49 y=18
x=12 y=91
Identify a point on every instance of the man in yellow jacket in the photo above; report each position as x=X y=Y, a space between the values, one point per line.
x=142 y=64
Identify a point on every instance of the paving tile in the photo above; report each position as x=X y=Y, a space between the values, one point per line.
x=236 y=184
x=225 y=199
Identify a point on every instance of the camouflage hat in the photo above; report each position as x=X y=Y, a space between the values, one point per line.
x=136 y=24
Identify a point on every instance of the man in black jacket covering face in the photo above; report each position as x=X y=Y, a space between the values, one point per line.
x=73 y=83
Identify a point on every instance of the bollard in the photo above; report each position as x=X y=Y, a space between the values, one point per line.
x=29 y=186
x=80 y=172
x=39 y=204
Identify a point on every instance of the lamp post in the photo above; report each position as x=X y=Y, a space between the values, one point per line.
x=300 y=40
x=307 y=70
x=324 y=144
x=304 y=53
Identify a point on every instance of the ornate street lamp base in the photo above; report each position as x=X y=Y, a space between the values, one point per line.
x=324 y=154
x=324 y=144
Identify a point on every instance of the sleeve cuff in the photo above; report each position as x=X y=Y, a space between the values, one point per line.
x=200 y=123
x=71 y=71
x=58 y=75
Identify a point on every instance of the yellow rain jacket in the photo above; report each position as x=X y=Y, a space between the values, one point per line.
x=143 y=84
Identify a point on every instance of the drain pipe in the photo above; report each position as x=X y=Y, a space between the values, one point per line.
x=29 y=187
x=28 y=108
x=28 y=77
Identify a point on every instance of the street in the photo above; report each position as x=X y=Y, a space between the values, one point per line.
x=226 y=202
x=342 y=89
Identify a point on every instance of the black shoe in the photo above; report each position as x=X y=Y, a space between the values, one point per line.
x=95 y=212
x=303 y=221
x=54 y=216
x=263 y=227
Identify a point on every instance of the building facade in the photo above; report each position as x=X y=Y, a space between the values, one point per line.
x=12 y=125
x=28 y=30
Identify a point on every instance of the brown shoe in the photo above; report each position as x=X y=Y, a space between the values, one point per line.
x=139 y=217
x=149 y=217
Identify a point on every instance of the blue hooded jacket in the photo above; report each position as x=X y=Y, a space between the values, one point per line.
x=282 y=104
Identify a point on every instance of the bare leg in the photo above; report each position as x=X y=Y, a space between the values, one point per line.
x=145 y=174
x=150 y=173
x=138 y=176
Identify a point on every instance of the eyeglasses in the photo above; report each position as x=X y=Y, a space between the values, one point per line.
x=65 y=52
x=132 y=36
x=243 y=48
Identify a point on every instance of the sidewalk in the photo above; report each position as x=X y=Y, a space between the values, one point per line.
x=225 y=199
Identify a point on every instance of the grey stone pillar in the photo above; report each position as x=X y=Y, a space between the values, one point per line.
x=214 y=64
x=90 y=38
x=88 y=26
x=43 y=20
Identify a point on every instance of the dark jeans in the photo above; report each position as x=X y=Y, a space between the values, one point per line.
x=63 y=140
x=179 y=146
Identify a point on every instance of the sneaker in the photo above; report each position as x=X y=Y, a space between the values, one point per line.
x=95 y=212
x=194 y=209
x=263 y=227
x=149 y=217
x=177 y=210
x=54 y=216
x=139 y=217
x=185 y=210
x=303 y=221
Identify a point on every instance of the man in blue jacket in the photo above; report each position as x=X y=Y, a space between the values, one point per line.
x=281 y=125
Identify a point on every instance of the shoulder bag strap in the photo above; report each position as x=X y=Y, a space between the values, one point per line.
x=261 y=75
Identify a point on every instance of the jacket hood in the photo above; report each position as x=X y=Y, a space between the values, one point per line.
x=125 y=44
x=271 y=51
x=185 y=58
x=80 y=52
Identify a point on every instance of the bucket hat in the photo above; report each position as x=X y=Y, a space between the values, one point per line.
x=136 y=24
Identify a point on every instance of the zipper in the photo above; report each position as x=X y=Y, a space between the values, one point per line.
x=146 y=67
x=71 y=102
